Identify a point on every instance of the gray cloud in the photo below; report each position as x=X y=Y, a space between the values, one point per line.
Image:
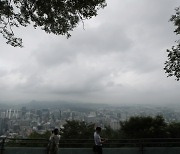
x=118 y=58
x=106 y=38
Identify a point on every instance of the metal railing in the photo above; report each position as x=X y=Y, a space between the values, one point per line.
x=88 y=143
x=139 y=144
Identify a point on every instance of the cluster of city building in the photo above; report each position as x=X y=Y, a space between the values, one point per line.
x=22 y=122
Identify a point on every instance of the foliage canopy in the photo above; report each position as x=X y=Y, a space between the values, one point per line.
x=35 y=135
x=144 y=127
x=172 y=65
x=53 y=16
x=133 y=128
x=77 y=130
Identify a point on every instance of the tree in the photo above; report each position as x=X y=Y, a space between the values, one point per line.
x=39 y=140
x=53 y=16
x=35 y=135
x=144 y=127
x=172 y=65
x=109 y=133
x=77 y=130
x=173 y=130
x=77 y=134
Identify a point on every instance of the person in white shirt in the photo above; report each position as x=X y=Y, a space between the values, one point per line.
x=54 y=142
x=98 y=141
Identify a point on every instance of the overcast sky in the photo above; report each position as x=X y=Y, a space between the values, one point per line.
x=117 y=58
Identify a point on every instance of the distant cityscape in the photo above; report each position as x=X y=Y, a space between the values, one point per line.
x=21 y=121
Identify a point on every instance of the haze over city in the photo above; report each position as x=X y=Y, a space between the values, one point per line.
x=116 y=57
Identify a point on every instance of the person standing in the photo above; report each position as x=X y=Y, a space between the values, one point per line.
x=50 y=143
x=54 y=142
x=98 y=141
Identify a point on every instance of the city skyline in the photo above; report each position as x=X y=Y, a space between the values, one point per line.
x=23 y=120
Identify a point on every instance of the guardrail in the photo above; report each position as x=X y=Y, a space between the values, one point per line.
x=141 y=144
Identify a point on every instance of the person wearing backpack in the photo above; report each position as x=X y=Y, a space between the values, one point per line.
x=54 y=142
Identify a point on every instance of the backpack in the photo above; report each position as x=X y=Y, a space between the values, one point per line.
x=52 y=144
